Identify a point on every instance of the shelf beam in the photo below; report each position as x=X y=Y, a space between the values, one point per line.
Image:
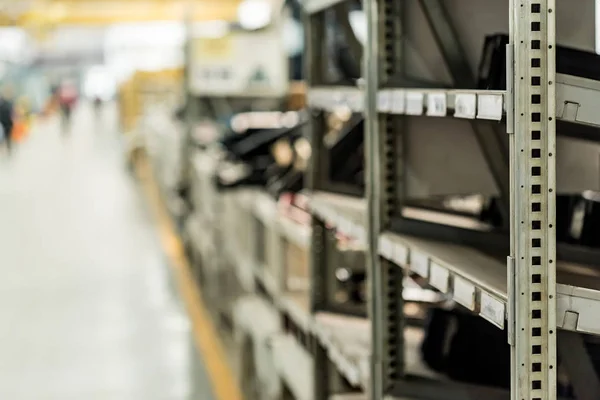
x=315 y=6
x=385 y=158
x=374 y=200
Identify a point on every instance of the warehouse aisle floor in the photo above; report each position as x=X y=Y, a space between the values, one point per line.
x=87 y=305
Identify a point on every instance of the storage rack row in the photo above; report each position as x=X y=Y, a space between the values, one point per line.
x=527 y=291
x=248 y=250
x=253 y=269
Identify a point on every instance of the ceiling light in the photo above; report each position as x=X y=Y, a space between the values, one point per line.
x=254 y=14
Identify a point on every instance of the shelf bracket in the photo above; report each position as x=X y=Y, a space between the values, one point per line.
x=510 y=306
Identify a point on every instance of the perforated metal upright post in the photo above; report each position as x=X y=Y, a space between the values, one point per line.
x=385 y=154
x=532 y=265
x=190 y=112
x=320 y=293
x=314 y=26
x=373 y=192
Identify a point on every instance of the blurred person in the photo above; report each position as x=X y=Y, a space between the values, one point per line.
x=97 y=106
x=7 y=116
x=21 y=119
x=67 y=98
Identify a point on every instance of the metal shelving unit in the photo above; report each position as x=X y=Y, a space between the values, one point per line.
x=340 y=360
x=532 y=294
x=544 y=304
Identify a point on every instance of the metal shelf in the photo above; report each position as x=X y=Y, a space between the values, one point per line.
x=331 y=98
x=576 y=100
x=475 y=280
x=349 y=396
x=264 y=207
x=468 y=104
x=479 y=282
x=296 y=306
x=295 y=232
x=256 y=316
x=314 y=6
x=347 y=341
x=267 y=280
x=346 y=214
x=294 y=365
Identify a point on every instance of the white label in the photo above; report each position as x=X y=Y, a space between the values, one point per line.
x=384 y=101
x=414 y=103
x=464 y=105
x=492 y=310
x=490 y=106
x=419 y=263
x=436 y=104
x=386 y=248
x=398 y=102
x=400 y=255
x=464 y=293
x=439 y=277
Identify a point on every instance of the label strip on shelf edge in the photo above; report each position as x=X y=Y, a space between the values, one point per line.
x=463 y=291
x=314 y=6
x=395 y=252
x=349 y=369
x=299 y=316
x=433 y=103
x=439 y=103
x=343 y=223
x=332 y=98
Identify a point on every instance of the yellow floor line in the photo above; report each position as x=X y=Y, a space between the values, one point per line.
x=224 y=384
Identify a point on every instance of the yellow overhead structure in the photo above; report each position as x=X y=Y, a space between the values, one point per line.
x=51 y=13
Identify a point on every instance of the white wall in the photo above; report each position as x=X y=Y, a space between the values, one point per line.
x=143 y=46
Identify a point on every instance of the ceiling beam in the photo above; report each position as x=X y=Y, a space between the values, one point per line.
x=100 y=13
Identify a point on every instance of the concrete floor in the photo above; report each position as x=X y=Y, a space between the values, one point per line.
x=87 y=310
